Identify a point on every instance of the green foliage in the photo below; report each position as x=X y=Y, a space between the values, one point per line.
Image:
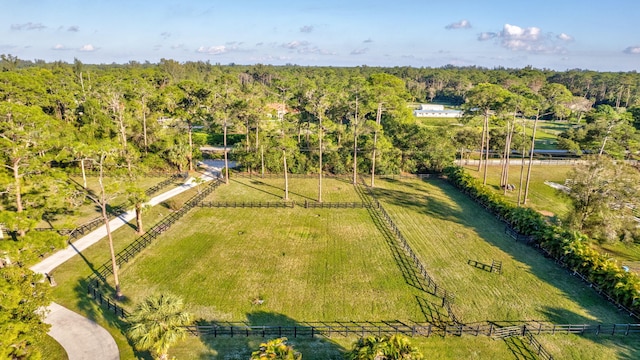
x=569 y=246
x=157 y=323
x=602 y=192
x=394 y=347
x=22 y=295
x=276 y=349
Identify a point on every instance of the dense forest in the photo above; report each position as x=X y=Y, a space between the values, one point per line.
x=129 y=119
x=137 y=117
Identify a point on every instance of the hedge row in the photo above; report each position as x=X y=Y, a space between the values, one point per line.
x=569 y=247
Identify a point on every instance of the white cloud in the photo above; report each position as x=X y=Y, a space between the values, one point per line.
x=304 y=47
x=213 y=50
x=530 y=39
x=87 y=48
x=306 y=29
x=634 y=50
x=359 y=51
x=487 y=36
x=462 y=24
x=295 y=44
x=59 y=47
x=73 y=28
x=565 y=37
x=165 y=35
x=28 y=26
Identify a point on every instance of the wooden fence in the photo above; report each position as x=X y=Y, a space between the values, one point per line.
x=428 y=284
x=530 y=240
x=173 y=178
x=329 y=329
x=335 y=205
x=536 y=347
x=283 y=204
x=247 y=204
x=140 y=243
x=93 y=224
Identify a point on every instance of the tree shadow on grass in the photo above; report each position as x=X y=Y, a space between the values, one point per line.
x=93 y=310
x=240 y=346
x=519 y=348
x=488 y=228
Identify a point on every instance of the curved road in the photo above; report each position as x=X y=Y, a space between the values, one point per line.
x=84 y=339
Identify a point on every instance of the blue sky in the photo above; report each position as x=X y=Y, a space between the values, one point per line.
x=559 y=35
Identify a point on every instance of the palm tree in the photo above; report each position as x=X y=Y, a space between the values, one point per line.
x=137 y=197
x=396 y=347
x=276 y=349
x=157 y=323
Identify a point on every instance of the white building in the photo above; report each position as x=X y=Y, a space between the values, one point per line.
x=435 y=110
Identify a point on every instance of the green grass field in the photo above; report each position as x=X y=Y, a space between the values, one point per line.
x=542 y=197
x=320 y=264
x=446 y=230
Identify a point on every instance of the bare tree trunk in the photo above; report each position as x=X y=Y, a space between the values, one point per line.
x=355 y=145
x=105 y=218
x=533 y=146
x=139 y=228
x=375 y=143
x=484 y=132
x=18 y=191
x=144 y=125
x=486 y=161
x=262 y=159
x=320 y=169
x=84 y=175
x=246 y=147
x=286 y=179
x=521 y=167
x=190 y=154
x=226 y=158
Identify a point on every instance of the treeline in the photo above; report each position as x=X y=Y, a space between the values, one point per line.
x=122 y=120
x=57 y=116
x=140 y=116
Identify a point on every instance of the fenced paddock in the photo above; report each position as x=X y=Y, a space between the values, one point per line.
x=297 y=235
x=445 y=229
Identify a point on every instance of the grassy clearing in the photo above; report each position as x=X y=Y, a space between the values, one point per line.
x=446 y=229
x=592 y=347
x=334 y=265
x=542 y=197
x=334 y=262
x=438 y=122
x=333 y=348
x=272 y=189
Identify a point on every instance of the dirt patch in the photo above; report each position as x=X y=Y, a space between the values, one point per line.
x=546 y=213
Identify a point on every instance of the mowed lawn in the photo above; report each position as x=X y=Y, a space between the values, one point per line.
x=306 y=264
x=541 y=197
x=272 y=189
x=446 y=229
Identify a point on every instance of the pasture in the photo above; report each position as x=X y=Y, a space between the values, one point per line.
x=542 y=197
x=295 y=265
